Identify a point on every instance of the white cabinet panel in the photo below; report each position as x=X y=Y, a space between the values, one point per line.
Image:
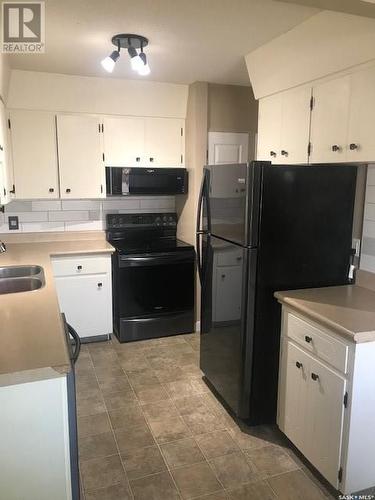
x=360 y=141
x=82 y=173
x=329 y=121
x=164 y=142
x=269 y=128
x=295 y=126
x=4 y=163
x=86 y=302
x=123 y=141
x=34 y=153
x=227 y=147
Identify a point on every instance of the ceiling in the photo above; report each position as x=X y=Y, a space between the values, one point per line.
x=364 y=8
x=190 y=40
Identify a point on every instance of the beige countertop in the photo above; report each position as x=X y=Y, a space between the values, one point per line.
x=31 y=329
x=348 y=310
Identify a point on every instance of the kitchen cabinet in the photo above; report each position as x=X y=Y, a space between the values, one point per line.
x=164 y=142
x=81 y=167
x=329 y=121
x=326 y=406
x=34 y=154
x=84 y=290
x=6 y=172
x=284 y=127
x=123 y=141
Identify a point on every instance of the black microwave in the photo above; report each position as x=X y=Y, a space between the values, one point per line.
x=146 y=181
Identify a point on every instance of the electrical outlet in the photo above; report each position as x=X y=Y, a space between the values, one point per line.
x=13 y=223
x=356 y=244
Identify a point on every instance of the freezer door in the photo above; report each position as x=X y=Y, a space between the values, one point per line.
x=227 y=320
x=233 y=192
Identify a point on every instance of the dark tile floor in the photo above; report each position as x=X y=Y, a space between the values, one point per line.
x=149 y=429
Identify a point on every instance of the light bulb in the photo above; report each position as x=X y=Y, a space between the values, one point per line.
x=109 y=62
x=144 y=70
x=135 y=61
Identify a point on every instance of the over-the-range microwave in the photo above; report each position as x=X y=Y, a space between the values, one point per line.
x=146 y=181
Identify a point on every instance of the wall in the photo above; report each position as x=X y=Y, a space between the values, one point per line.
x=4 y=77
x=79 y=94
x=367 y=262
x=324 y=44
x=77 y=215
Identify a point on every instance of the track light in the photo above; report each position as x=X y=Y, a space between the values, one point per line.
x=138 y=60
x=109 y=62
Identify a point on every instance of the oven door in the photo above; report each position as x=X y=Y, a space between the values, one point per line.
x=154 y=294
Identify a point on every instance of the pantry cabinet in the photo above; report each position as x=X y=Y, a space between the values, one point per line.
x=84 y=290
x=34 y=154
x=284 y=126
x=326 y=406
x=81 y=167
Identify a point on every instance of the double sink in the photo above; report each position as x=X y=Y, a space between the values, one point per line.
x=16 y=279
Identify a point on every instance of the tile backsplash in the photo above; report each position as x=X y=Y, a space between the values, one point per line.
x=77 y=215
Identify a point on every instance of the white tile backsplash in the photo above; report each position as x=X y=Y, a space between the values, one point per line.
x=78 y=215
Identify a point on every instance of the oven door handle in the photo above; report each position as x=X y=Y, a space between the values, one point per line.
x=156 y=260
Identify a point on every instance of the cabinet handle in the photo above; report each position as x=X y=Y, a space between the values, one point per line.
x=51 y=190
x=353 y=146
x=314 y=376
x=298 y=364
x=273 y=154
x=68 y=190
x=100 y=285
x=138 y=158
x=151 y=160
x=336 y=148
x=1 y=148
x=308 y=339
x=79 y=268
x=284 y=153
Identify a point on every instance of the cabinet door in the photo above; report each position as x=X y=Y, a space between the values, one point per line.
x=326 y=410
x=295 y=388
x=269 y=128
x=82 y=173
x=295 y=126
x=164 y=141
x=86 y=302
x=34 y=153
x=360 y=143
x=329 y=121
x=123 y=141
x=227 y=147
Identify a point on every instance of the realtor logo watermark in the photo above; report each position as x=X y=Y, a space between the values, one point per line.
x=23 y=29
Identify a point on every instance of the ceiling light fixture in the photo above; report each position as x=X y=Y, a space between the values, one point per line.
x=132 y=43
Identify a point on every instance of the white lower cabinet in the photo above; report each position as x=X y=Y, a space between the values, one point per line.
x=318 y=404
x=84 y=290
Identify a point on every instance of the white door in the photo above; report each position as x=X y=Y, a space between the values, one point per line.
x=227 y=147
x=164 y=142
x=34 y=152
x=86 y=302
x=82 y=173
x=329 y=121
x=295 y=389
x=361 y=143
x=325 y=407
x=295 y=127
x=123 y=141
x=269 y=128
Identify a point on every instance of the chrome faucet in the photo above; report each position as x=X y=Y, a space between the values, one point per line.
x=3 y=248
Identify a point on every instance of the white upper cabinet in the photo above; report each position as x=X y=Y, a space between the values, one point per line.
x=6 y=180
x=164 y=142
x=34 y=152
x=284 y=125
x=329 y=121
x=123 y=141
x=82 y=173
x=360 y=138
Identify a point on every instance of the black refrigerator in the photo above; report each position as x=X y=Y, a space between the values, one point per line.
x=262 y=228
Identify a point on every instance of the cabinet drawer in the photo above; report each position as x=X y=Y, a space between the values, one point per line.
x=84 y=264
x=317 y=342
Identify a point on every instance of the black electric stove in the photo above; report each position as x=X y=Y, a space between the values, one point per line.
x=153 y=276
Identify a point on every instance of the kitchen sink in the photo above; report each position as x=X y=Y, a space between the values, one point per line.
x=16 y=279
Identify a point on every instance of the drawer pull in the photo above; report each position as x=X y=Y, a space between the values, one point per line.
x=100 y=285
x=314 y=376
x=273 y=154
x=79 y=268
x=308 y=339
x=336 y=148
x=299 y=365
x=68 y=190
x=284 y=153
x=353 y=146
